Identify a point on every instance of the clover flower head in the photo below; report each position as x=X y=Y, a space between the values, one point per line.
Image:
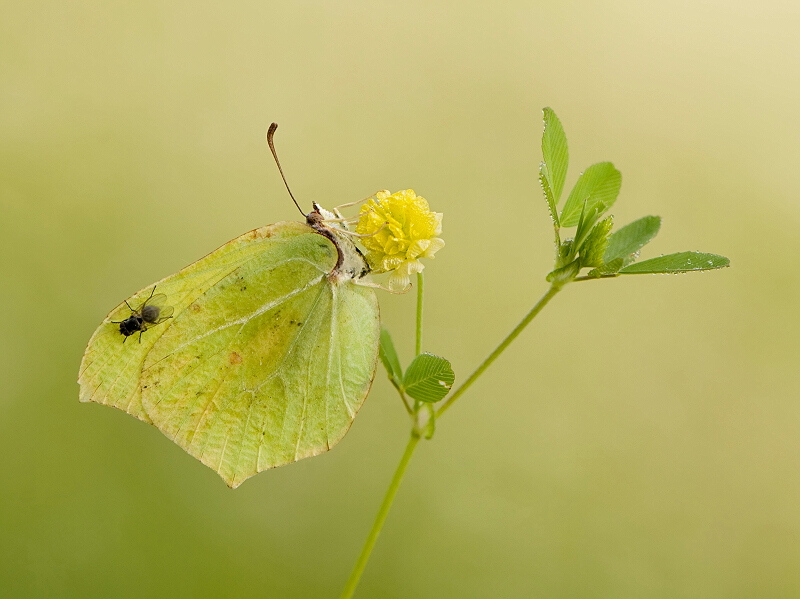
x=400 y=229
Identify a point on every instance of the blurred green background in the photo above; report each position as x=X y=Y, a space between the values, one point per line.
x=640 y=439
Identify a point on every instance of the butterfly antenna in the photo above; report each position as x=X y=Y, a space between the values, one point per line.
x=270 y=134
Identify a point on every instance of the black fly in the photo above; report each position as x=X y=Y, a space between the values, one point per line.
x=152 y=312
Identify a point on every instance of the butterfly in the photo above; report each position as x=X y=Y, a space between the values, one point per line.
x=269 y=353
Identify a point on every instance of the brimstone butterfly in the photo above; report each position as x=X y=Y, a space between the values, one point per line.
x=269 y=354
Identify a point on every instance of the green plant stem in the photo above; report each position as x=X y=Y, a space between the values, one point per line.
x=355 y=575
x=405 y=402
x=500 y=348
x=420 y=293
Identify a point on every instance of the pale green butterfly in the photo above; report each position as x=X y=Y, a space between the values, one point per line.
x=269 y=354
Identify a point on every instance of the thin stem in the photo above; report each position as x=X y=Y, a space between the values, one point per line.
x=369 y=544
x=405 y=402
x=500 y=348
x=420 y=293
x=355 y=576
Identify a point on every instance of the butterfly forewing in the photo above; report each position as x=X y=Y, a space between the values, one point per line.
x=110 y=370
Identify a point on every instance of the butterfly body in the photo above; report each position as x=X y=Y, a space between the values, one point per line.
x=350 y=262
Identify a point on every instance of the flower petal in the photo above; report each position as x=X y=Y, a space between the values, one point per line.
x=398 y=229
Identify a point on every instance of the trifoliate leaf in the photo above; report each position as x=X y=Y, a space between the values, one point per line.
x=680 y=262
x=555 y=154
x=627 y=241
x=428 y=378
x=599 y=186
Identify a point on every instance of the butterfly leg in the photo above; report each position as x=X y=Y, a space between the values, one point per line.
x=383 y=226
x=356 y=203
x=352 y=220
x=364 y=283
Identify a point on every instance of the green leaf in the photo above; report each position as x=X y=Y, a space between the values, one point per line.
x=390 y=360
x=587 y=220
x=564 y=251
x=595 y=245
x=428 y=378
x=598 y=185
x=680 y=262
x=631 y=238
x=555 y=154
x=548 y=195
x=565 y=273
x=609 y=269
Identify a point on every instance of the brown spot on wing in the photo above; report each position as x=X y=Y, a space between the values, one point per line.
x=260 y=233
x=234 y=358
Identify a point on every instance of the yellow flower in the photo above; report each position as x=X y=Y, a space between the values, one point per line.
x=408 y=235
